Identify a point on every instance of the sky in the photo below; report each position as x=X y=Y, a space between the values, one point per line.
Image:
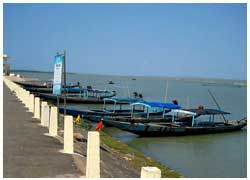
x=173 y=40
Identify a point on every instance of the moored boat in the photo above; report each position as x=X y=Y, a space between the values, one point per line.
x=171 y=129
x=178 y=127
x=91 y=96
x=41 y=84
x=72 y=90
x=119 y=107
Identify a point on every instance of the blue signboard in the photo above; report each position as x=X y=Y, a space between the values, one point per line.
x=57 y=83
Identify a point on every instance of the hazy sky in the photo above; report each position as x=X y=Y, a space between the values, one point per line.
x=183 y=40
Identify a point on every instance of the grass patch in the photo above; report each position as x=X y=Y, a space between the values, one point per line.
x=136 y=158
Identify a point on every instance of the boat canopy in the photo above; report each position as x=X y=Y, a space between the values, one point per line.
x=183 y=112
x=123 y=100
x=157 y=104
x=207 y=111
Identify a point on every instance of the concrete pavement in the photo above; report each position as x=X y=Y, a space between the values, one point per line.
x=27 y=153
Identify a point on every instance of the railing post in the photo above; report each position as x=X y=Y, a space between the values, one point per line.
x=31 y=103
x=93 y=155
x=37 y=108
x=43 y=104
x=150 y=172
x=53 y=121
x=45 y=116
x=27 y=99
x=68 y=134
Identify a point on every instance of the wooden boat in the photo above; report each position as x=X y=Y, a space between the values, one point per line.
x=74 y=90
x=40 y=84
x=119 y=107
x=71 y=90
x=176 y=127
x=118 y=112
x=172 y=129
x=34 y=84
x=87 y=97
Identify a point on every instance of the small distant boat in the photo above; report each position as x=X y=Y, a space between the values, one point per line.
x=111 y=82
x=133 y=79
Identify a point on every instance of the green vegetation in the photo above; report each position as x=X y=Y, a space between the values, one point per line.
x=136 y=158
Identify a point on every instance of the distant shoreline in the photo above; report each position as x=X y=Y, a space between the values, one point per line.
x=192 y=79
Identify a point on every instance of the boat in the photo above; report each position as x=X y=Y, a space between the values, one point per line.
x=41 y=84
x=178 y=126
x=121 y=107
x=71 y=90
x=118 y=113
x=88 y=96
x=118 y=108
x=111 y=82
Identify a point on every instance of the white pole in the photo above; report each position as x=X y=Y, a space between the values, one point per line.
x=93 y=155
x=43 y=104
x=68 y=135
x=45 y=116
x=31 y=103
x=53 y=121
x=37 y=108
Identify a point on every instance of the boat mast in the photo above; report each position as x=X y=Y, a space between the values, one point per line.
x=217 y=104
x=127 y=88
x=187 y=102
x=166 y=92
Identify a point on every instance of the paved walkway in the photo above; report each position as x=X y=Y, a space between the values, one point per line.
x=26 y=151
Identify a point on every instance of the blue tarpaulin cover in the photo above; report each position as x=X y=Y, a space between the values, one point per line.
x=158 y=104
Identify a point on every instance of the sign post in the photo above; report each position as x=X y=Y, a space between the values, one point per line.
x=57 y=82
x=64 y=73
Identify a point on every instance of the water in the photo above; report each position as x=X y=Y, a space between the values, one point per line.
x=215 y=155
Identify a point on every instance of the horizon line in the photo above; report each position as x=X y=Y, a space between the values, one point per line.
x=188 y=77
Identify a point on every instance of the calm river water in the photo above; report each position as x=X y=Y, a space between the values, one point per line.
x=215 y=155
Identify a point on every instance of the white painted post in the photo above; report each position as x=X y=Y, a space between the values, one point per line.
x=53 y=121
x=37 y=108
x=68 y=134
x=23 y=94
x=93 y=155
x=26 y=99
x=43 y=103
x=150 y=172
x=45 y=116
x=31 y=103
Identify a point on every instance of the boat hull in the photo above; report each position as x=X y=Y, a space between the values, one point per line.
x=152 y=130
x=50 y=90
